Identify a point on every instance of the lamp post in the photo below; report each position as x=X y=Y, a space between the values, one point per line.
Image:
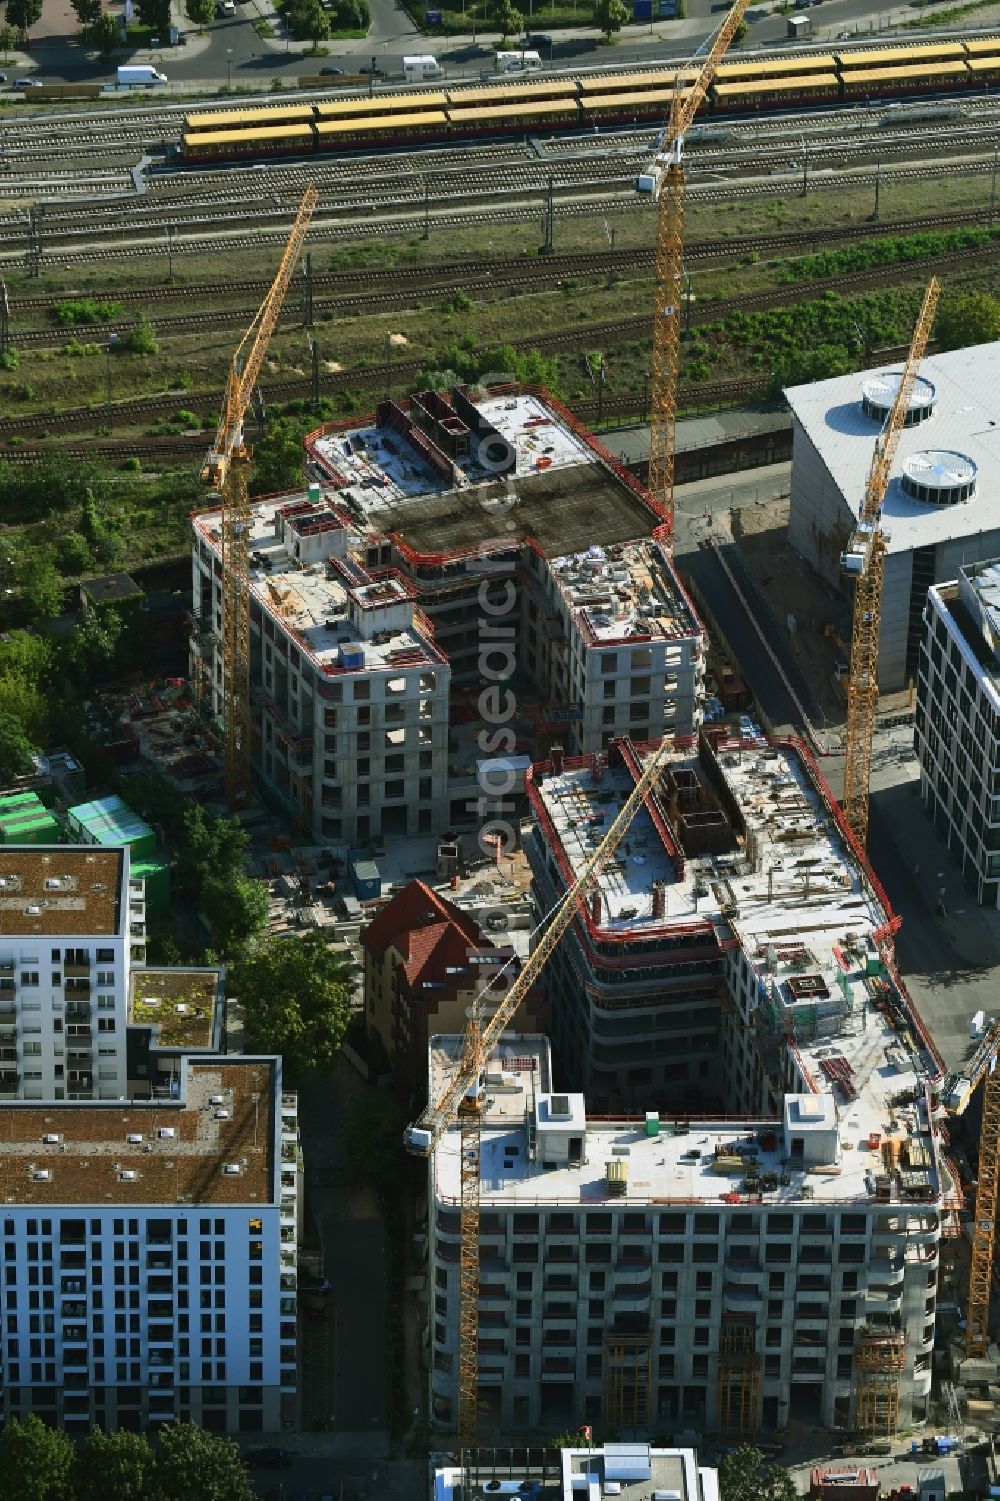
x=229 y=69
x=170 y=251
x=111 y=345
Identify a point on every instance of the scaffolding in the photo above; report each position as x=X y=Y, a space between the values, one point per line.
x=738 y=1404
x=628 y=1360
x=879 y=1358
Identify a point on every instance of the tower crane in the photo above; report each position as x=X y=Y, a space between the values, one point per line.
x=461 y=1100
x=865 y=558
x=955 y=1095
x=670 y=186
x=225 y=470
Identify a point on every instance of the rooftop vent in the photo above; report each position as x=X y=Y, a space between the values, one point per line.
x=33 y=911
x=559 y=1107
x=939 y=477
x=878 y=393
x=164 y=1132
x=134 y=1138
x=182 y=1008
x=51 y=1139
x=217 y=1099
x=128 y=1175
x=41 y=1175
x=231 y=1169
x=222 y=1115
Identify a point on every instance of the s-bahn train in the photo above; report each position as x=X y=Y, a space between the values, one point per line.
x=605 y=100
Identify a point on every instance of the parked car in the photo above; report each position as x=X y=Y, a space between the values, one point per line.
x=268 y=1459
x=373 y=69
x=331 y=72
x=535 y=39
x=309 y=1284
x=3 y=78
x=27 y=83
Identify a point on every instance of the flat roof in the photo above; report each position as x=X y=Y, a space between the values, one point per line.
x=95 y=1162
x=66 y=891
x=963 y=421
x=560 y=495
x=778 y=85
x=628 y=592
x=314 y=603
x=182 y=1004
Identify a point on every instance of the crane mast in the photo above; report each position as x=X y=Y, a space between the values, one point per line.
x=671 y=187
x=866 y=555
x=225 y=470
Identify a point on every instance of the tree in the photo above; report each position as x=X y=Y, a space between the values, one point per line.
x=967 y=318
x=745 y=1475
x=509 y=19
x=236 y=908
x=821 y=362
x=308 y=19
x=740 y=34
x=277 y=458
x=154 y=14
x=22 y=14
x=296 y=995
x=90 y=649
x=87 y=13
x=114 y=1467
x=610 y=16
x=106 y=34
x=373 y=1127
x=41 y=586
x=35 y=1462
x=199 y=12
x=209 y=845
x=16 y=752
x=195 y=1463
x=7 y=40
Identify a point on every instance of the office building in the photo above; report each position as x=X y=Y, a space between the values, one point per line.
x=771 y=1256
x=957 y=723
x=942 y=508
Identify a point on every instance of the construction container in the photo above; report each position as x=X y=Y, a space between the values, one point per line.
x=366 y=880
x=109 y=821
x=156 y=875
x=24 y=819
x=652 y=1123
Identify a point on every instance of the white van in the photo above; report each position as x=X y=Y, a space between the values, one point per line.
x=518 y=62
x=419 y=69
x=141 y=73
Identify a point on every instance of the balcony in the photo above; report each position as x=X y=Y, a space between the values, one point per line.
x=77 y=970
x=73 y=1310
x=8 y=1082
x=74 y=1334
x=744 y=1273
x=72 y=1261
x=740 y=1299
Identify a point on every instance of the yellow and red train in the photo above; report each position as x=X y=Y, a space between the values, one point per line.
x=469 y=112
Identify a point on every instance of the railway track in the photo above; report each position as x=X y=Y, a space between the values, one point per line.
x=518 y=269
x=482 y=285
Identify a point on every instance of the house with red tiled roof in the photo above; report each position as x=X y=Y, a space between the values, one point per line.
x=424 y=960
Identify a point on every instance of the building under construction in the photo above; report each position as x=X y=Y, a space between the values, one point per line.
x=447 y=544
x=641 y=1264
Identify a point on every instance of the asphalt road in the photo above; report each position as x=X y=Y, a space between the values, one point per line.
x=236 y=53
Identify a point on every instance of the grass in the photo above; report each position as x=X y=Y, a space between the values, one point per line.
x=439 y=328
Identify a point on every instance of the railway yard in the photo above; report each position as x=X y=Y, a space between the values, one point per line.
x=421 y=250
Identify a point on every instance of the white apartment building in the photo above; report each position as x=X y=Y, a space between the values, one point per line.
x=636 y=1472
x=148 y=1255
x=452 y=547
x=957 y=722
x=72 y=924
x=758 y=1240
x=940 y=510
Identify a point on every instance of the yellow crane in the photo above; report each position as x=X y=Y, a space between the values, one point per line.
x=955 y=1095
x=670 y=186
x=462 y=1099
x=226 y=471
x=865 y=558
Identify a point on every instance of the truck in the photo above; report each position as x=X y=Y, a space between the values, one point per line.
x=419 y=69
x=139 y=73
x=799 y=27
x=518 y=62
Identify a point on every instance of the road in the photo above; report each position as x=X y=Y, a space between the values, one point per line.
x=233 y=51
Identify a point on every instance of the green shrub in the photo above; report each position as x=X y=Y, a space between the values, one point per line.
x=75 y=310
x=10 y=359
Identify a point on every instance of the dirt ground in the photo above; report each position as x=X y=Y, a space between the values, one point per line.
x=821 y=638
